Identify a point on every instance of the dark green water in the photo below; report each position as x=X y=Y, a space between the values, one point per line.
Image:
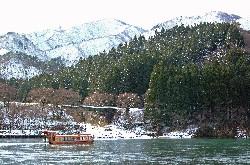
x=156 y=151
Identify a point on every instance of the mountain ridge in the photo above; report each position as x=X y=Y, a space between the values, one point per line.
x=213 y=16
x=81 y=41
x=74 y=38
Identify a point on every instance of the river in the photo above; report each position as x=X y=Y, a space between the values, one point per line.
x=153 y=151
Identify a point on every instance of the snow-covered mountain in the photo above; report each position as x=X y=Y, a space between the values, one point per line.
x=19 y=66
x=67 y=45
x=14 y=42
x=214 y=16
x=16 y=68
x=73 y=43
x=84 y=40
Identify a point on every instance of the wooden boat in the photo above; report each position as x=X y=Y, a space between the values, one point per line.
x=55 y=138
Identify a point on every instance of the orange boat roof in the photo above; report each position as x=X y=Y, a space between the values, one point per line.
x=75 y=135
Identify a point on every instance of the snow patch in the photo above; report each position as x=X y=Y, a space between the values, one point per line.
x=3 y=51
x=16 y=69
x=244 y=23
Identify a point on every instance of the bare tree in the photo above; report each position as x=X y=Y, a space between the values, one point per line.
x=129 y=100
x=7 y=93
x=37 y=94
x=55 y=97
x=100 y=99
x=65 y=96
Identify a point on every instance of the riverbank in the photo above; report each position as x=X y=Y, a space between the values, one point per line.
x=21 y=134
x=113 y=132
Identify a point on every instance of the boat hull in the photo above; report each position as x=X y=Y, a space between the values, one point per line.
x=71 y=143
x=55 y=138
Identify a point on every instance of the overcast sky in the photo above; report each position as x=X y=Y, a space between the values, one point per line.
x=33 y=15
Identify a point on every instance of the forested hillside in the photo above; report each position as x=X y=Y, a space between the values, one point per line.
x=185 y=75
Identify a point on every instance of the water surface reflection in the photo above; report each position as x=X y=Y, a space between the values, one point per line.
x=156 y=151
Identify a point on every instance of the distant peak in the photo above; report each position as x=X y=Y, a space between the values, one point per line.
x=213 y=16
x=122 y=22
x=216 y=12
x=12 y=34
x=108 y=20
x=222 y=15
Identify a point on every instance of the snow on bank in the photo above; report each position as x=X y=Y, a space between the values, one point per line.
x=34 y=125
x=183 y=134
x=241 y=134
x=20 y=132
x=113 y=132
x=108 y=132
